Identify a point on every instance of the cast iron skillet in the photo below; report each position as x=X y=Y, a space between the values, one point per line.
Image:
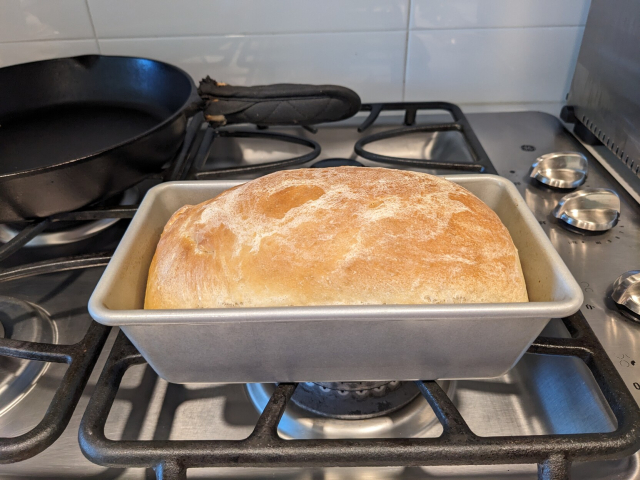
x=74 y=131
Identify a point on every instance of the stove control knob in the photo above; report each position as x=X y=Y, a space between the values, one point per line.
x=591 y=209
x=626 y=293
x=561 y=169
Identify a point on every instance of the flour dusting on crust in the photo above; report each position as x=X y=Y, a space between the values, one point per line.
x=336 y=236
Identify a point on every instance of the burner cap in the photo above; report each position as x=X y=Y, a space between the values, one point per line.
x=354 y=400
x=337 y=162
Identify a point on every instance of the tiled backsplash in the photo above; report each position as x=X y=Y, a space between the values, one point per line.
x=482 y=54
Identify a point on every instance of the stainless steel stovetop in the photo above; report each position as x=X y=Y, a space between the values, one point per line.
x=539 y=395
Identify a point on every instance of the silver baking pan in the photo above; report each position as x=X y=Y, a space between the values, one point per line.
x=333 y=343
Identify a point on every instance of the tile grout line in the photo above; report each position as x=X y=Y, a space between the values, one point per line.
x=283 y=34
x=93 y=28
x=45 y=40
x=250 y=34
x=406 y=50
x=509 y=27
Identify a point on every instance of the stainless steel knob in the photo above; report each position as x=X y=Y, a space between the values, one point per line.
x=561 y=169
x=592 y=209
x=626 y=292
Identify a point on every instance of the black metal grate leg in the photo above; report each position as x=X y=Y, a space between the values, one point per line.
x=170 y=471
x=449 y=416
x=27 y=234
x=556 y=467
x=266 y=428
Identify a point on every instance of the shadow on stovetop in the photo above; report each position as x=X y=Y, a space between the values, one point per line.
x=159 y=410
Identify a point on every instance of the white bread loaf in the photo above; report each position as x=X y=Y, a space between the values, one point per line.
x=335 y=236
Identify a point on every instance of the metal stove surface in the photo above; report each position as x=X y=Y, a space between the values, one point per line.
x=539 y=395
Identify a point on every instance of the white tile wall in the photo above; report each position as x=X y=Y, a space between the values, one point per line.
x=483 y=54
x=22 y=20
x=498 y=13
x=157 y=18
x=503 y=65
x=370 y=63
x=22 y=52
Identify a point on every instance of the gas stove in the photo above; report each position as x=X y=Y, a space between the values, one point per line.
x=542 y=395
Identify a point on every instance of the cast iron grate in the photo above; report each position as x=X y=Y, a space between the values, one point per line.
x=171 y=459
x=481 y=162
x=80 y=357
x=261 y=168
x=197 y=146
x=457 y=445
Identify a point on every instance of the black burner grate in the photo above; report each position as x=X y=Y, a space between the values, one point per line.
x=261 y=168
x=457 y=445
x=170 y=459
x=481 y=162
x=80 y=358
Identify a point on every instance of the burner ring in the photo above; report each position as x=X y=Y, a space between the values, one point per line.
x=415 y=419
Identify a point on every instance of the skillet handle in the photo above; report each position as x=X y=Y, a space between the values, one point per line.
x=280 y=104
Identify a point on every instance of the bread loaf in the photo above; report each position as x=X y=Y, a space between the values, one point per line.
x=335 y=236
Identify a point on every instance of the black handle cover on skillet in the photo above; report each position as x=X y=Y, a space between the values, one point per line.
x=281 y=104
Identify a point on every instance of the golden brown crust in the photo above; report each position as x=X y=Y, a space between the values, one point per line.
x=335 y=236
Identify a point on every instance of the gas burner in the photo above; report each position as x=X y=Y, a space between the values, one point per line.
x=339 y=409
x=337 y=162
x=70 y=232
x=563 y=170
x=25 y=321
x=354 y=400
x=592 y=210
x=626 y=294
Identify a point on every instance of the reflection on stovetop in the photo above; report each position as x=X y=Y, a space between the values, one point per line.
x=540 y=395
x=230 y=151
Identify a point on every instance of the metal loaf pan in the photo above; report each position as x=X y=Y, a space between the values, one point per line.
x=333 y=343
